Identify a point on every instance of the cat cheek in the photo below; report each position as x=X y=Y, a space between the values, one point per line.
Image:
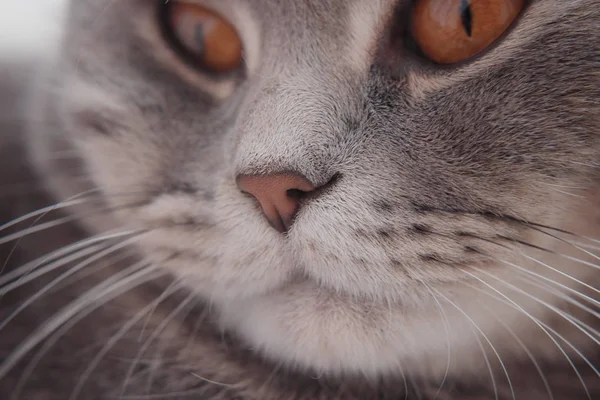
x=98 y=123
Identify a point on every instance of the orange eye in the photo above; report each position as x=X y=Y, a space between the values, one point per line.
x=448 y=31
x=206 y=36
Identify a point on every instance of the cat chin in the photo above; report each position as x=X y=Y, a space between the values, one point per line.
x=307 y=327
x=460 y=332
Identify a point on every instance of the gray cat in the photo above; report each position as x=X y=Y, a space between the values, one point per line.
x=316 y=199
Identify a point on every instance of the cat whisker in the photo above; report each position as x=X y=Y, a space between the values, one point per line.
x=447 y=330
x=35 y=229
x=585 y=164
x=587 y=245
x=538 y=262
x=555 y=292
x=474 y=325
x=155 y=364
x=92 y=270
x=568 y=193
x=172 y=288
x=544 y=327
x=148 y=317
x=82 y=198
x=73 y=251
x=191 y=393
x=545 y=278
x=580 y=325
x=563 y=186
x=553 y=282
x=19 y=235
x=159 y=329
x=38 y=214
x=570 y=277
x=230 y=385
x=540 y=228
x=530 y=355
x=32 y=272
x=571 y=243
x=199 y=321
x=37 y=295
x=79 y=198
x=269 y=379
x=121 y=282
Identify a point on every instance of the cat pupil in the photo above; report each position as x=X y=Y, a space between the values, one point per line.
x=466 y=16
x=199 y=38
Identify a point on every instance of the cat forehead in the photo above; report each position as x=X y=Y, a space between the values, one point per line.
x=307 y=30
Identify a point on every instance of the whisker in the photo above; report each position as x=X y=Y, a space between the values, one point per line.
x=447 y=330
x=62 y=329
x=536 y=282
x=38 y=216
x=568 y=193
x=579 y=281
x=562 y=286
x=154 y=366
x=586 y=245
x=547 y=329
x=60 y=278
x=172 y=288
x=45 y=210
x=92 y=270
x=229 y=385
x=541 y=263
x=567 y=317
x=563 y=186
x=181 y=394
x=566 y=256
x=118 y=284
x=474 y=325
x=585 y=164
x=265 y=383
x=540 y=228
x=192 y=337
x=30 y=274
x=62 y=252
x=60 y=221
x=184 y=303
x=36 y=228
x=525 y=348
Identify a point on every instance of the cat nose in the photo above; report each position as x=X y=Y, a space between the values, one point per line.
x=279 y=195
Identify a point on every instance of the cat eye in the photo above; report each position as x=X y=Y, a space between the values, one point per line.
x=205 y=37
x=449 y=31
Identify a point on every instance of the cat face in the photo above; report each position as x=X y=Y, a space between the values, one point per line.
x=433 y=182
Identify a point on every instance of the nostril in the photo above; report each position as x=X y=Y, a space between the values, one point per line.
x=281 y=195
x=335 y=178
x=296 y=194
x=318 y=191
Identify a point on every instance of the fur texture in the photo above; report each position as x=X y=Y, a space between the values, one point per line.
x=455 y=244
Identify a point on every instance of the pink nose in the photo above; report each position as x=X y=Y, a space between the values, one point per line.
x=278 y=195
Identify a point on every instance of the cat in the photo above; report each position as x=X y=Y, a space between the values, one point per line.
x=362 y=199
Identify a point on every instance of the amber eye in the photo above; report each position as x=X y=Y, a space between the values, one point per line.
x=449 y=31
x=207 y=38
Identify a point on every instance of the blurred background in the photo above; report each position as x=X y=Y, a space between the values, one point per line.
x=29 y=27
x=29 y=30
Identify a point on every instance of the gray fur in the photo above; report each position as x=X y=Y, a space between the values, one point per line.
x=443 y=176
